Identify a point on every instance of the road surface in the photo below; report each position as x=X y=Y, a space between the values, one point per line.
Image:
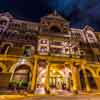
x=62 y=98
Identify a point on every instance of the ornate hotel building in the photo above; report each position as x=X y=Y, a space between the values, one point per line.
x=48 y=56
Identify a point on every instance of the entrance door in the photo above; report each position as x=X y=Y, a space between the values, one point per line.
x=59 y=79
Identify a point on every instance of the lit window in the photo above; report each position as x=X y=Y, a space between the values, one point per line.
x=43 y=41
x=43 y=49
x=28 y=51
x=90 y=35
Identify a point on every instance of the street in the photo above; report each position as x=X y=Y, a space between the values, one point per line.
x=62 y=98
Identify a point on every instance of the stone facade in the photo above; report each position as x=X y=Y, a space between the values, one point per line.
x=49 y=56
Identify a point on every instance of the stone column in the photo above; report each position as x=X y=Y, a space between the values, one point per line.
x=34 y=71
x=47 y=79
x=75 y=76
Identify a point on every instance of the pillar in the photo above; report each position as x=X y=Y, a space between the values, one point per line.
x=75 y=77
x=47 y=77
x=34 y=72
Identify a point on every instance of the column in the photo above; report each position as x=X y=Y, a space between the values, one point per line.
x=47 y=78
x=34 y=71
x=85 y=77
x=74 y=77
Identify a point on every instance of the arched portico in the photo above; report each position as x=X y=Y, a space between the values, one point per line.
x=87 y=79
x=22 y=70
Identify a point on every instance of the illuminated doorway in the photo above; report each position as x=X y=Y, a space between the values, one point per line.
x=59 y=79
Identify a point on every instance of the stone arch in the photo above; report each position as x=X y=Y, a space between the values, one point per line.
x=4 y=23
x=5 y=47
x=3 y=67
x=90 y=75
x=9 y=43
x=91 y=79
x=22 y=72
x=56 y=27
x=91 y=70
x=18 y=64
x=98 y=72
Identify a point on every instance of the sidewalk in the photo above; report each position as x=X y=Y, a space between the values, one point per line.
x=22 y=96
x=14 y=97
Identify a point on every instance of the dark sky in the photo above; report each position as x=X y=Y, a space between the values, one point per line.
x=78 y=12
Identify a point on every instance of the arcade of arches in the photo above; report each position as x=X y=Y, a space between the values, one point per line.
x=54 y=77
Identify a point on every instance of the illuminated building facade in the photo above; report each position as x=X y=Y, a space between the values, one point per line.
x=49 y=56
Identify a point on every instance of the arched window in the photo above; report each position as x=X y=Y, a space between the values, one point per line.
x=28 y=51
x=3 y=22
x=55 y=29
x=5 y=48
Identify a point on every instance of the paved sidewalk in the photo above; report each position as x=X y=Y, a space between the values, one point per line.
x=26 y=96
x=14 y=97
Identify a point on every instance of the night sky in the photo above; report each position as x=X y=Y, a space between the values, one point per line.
x=78 y=12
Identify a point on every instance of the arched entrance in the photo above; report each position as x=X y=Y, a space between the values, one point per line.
x=91 y=80
x=82 y=80
x=21 y=76
x=59 y=79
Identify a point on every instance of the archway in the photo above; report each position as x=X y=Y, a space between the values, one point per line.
x=59 y=79
x=91 y=80
x=82 y=80
x=21 y=76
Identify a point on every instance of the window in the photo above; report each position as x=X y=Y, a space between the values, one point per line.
x=3 y=22
x=55 y=29
x=43 y=41
x=43 y=49
x=75 y=50
x=28 y=51
x=56 y=50
x=90 y=35
x=57 y=43
x=5 y=48
x=98 y=58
